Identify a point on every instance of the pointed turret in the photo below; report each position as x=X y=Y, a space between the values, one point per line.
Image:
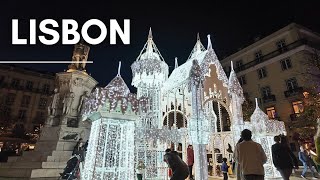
x=149 y=66
x=176 y=63
x=117 y=86
x=150 y=34
x=234 y=85
x=197 y=49
x=258 y=120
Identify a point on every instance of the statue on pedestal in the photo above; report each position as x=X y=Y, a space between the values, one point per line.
x=67 y=103
x=54 y=103
x=80 y=57
x=83 y=96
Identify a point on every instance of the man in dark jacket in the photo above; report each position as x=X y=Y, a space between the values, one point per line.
x=179 y=167
x=283 y=158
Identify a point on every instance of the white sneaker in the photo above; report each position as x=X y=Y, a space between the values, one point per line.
x=303 y=177
x=314 y=178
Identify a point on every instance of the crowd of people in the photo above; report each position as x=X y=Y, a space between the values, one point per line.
x=249 y=160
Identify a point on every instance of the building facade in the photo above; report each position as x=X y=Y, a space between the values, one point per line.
x=272 y=69
x=24 y=95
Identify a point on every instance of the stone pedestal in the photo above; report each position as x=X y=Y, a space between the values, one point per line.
x=49 y=158
x=62 y=130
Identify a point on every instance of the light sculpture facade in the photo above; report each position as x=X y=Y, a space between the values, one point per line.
x=167 y=112
x=263 y=132
x=113 y=111
x=149 y=72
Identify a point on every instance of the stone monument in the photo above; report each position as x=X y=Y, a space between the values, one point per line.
x=63 y=127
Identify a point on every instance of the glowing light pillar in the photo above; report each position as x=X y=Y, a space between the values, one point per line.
x=113 y=111
x=236 y=92
x=199 y=125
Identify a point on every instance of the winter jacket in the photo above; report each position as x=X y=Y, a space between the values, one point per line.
x=224 y=167
x=190 y=156
x=251 y=157
x=175 y=162
x=282 y=157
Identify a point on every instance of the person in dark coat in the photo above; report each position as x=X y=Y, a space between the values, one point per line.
x=77 y=147
x=179 y=167
x=283 y=158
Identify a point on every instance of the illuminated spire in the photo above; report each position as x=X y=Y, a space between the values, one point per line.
x=176 y=63
x=209 y=42
x=150 y=34
x=232 y=66
x=257 y=104
x=197 y=49
x=119 y=68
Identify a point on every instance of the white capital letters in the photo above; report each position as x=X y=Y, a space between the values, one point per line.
x=32 y=31
x=15 y=38
x=115 y=28
x=87 y=38
x=73 y=31
x=55 y=35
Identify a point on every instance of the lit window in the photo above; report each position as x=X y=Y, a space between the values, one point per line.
x=271 y=112
x=297 y=107
x=285 y=64
x=242 y=80
x=262 y=73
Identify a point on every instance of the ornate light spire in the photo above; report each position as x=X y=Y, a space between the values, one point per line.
x=197 y=49
x=149 y=62
x=150 y=34
x=209 y=42
x=234 y=85
x=119 y=68
x=176 y=63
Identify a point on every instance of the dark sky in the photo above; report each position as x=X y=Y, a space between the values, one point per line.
x=231 y=24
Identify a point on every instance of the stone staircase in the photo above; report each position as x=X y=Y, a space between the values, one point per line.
x=46 y=161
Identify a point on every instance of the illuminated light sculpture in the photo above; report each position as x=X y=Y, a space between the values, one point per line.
x=263 y=132
x=199 y=128
x=149 y=72
x=113 y=111
x=236 y=92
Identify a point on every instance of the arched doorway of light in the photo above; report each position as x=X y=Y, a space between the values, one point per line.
x=176 y=119
x=221 y=141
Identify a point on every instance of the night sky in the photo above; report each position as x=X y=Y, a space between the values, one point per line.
x=231 y=25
